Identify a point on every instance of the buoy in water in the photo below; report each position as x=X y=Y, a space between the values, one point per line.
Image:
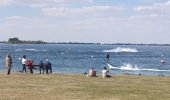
x=162 y=61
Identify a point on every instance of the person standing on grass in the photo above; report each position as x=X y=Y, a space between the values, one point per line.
x=30 y=65
x=48 y=66
x=41 y=67
x=24 y=62
x=8 y=63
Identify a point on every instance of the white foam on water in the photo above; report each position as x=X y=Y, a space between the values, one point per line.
x=31 y=50
x=120 y=49
x=18 y=50
x=134 y=68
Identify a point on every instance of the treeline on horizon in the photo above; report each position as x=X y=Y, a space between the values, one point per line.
x=16 y=40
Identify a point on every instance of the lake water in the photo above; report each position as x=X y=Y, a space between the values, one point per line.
x=78 y=58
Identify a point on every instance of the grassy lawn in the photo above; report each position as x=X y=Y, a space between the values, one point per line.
x=79 y=87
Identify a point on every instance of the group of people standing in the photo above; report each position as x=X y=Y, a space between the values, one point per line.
x=43 y=67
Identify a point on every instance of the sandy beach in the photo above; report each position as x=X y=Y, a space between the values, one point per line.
x=79 y=87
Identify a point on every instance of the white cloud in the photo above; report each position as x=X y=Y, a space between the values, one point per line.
x=41 y=3
x=5 y=2
x=16 y=18
x=62 y=11
x=155 y=8
x=135 y=29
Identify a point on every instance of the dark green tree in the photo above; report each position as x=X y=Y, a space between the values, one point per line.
x=14 y=40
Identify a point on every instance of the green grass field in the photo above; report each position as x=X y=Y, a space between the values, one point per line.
x=79 y=87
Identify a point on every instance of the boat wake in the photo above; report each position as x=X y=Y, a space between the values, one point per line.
x=31 y=50
x=120 y=49
x=134 y=68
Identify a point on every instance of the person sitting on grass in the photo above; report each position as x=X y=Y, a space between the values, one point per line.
x=105 y=72
x=92 y=73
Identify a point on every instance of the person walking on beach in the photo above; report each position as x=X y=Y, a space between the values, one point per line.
x=8 y=63
x=41 y=67
x=48 y=66
x=24 y=62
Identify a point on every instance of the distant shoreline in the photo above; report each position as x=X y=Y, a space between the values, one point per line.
x=140 y=44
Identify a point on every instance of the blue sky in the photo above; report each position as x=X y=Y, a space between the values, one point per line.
x=104 y=21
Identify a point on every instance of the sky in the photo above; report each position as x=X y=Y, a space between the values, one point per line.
x=97 y=21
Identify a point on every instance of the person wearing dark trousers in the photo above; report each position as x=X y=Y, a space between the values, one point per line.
x=24 y=61
x=48 y=66
x=41 y=67
x=8 y=63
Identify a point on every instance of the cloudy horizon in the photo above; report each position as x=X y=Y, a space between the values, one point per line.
x=97 y=21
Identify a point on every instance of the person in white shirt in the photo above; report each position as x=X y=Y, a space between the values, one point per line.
x=24 y=61
x=105 y=72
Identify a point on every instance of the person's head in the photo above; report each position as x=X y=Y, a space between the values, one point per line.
x=8 y=55
x=105 y=68
x=24 y=56
x=92 y=68
x=47 y=60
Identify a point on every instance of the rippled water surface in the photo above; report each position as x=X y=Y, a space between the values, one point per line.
x=78 y=58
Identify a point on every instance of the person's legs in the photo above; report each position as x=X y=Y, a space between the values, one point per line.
x=9 y=70
x=46 y=70
x=40 y=70
x=31 y=71
x=24 y=68
x=108 y=76
x=50 y=68
x=43 y=70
